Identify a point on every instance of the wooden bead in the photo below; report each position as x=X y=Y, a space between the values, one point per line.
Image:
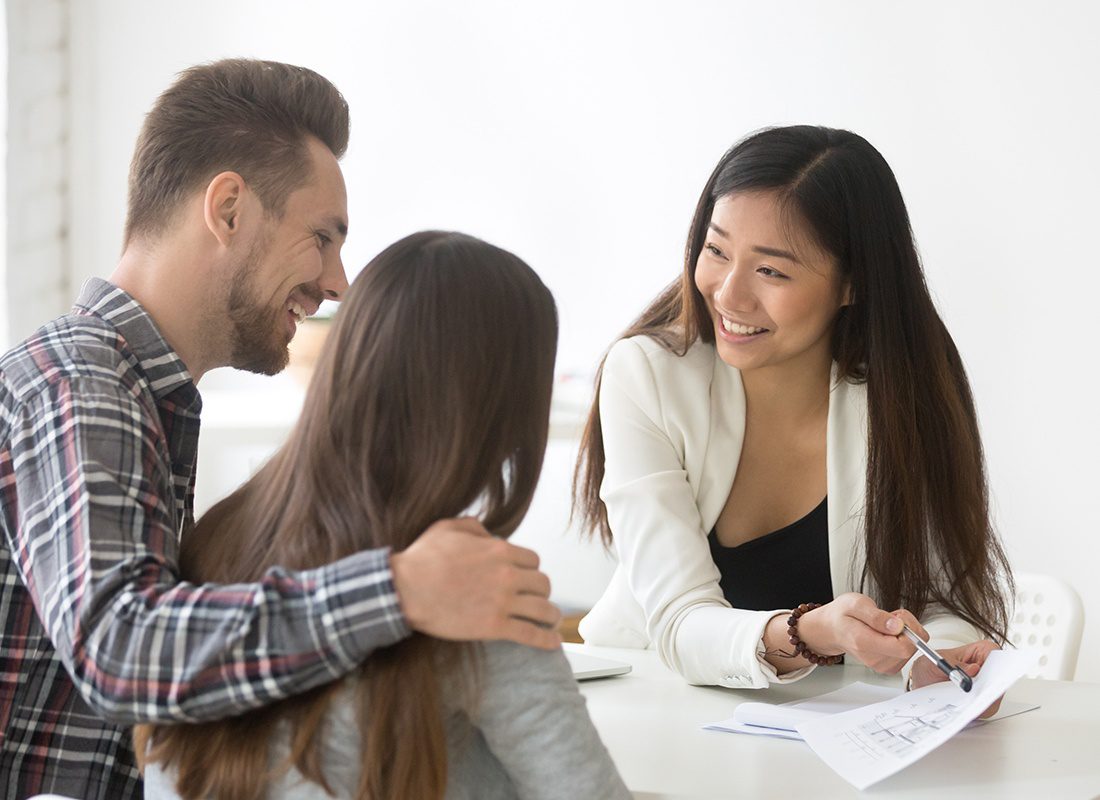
x=800 y=647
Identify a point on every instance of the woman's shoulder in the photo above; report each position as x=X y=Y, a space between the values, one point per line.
x=504 y=660
x=672 y=388
x=661 y=357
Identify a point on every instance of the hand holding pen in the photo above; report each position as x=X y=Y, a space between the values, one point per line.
x=967 y=658
x=955 y=674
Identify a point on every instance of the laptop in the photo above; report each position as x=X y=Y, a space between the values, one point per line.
x=586 y=667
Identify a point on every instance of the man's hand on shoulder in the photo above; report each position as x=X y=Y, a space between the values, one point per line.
x=458 y=582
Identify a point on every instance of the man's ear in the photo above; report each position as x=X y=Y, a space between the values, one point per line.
x=223 y=204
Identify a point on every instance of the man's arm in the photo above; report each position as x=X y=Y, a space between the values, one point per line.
x=94 y=542
x=96 y=550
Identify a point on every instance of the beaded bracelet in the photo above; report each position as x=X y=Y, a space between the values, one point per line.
x=800 y=647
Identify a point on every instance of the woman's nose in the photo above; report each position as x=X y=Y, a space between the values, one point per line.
x=735 y=291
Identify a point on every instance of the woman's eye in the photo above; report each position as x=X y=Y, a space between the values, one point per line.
x=768 y=272
x=712 y=249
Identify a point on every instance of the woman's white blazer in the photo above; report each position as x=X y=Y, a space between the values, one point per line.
x=673 y=427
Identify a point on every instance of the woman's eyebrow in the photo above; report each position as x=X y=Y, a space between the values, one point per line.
x=775 y=252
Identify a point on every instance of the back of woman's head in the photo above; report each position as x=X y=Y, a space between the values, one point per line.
x=431 y=399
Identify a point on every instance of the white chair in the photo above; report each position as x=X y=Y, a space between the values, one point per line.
x=1050 y=618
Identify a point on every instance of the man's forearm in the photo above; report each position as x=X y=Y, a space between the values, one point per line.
x=156 y=652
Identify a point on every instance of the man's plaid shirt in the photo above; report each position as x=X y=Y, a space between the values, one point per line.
x=99 y=426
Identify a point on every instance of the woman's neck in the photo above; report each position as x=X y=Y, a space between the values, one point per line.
x=793 y=393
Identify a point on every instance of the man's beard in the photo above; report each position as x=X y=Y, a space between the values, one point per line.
x=258 y=333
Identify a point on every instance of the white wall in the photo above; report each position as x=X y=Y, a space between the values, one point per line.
x=4 y=334
x=35 y=278
x=579 y=134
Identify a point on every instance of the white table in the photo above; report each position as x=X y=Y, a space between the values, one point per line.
x=651 y=722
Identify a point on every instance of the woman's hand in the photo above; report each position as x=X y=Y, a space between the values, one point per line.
x=853 y=624
x=969 y=657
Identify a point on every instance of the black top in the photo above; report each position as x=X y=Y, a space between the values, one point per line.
x=780 y=569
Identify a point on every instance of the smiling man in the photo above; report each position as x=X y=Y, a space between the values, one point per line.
x=237 y=213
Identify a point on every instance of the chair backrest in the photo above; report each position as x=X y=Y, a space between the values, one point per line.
x=1050 y=618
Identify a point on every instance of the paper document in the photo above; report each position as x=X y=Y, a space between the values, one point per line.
x=868 y=744
x=768 y=719
x=780 y=720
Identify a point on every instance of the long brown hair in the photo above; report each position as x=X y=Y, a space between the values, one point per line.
x=432 y=397
x=928 y=537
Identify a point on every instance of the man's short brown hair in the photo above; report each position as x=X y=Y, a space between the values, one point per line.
x=246 y=116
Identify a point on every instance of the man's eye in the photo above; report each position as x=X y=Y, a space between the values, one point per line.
x=322 y=239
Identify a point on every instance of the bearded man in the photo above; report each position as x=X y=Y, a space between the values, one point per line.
x=237 y=214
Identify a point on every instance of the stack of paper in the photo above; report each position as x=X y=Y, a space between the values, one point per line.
x=767 y=719
x=867 y=733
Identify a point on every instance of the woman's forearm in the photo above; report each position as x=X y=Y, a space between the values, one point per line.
x=778 y=650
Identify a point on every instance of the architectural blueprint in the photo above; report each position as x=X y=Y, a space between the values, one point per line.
x=870 y=743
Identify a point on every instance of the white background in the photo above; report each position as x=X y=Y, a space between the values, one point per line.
x=4 y=343
x=579 y=134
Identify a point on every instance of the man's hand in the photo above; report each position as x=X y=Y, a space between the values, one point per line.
x=969 y=657
x=458 y=582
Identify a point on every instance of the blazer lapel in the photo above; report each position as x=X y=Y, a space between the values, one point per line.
x=726 y=436
x=846 y=465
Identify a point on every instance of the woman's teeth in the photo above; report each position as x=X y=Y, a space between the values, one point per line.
x=297 y=310
x=740 y=330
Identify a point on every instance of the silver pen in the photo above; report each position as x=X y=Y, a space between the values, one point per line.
x=957 y=676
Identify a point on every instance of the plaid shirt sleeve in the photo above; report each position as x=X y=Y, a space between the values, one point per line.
x=95 y=545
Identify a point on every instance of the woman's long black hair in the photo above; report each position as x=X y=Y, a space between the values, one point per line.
x=928 y=537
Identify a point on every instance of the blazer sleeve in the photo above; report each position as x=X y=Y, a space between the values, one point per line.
x=649 y=423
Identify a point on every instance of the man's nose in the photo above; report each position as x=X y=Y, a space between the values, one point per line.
x=334 y=281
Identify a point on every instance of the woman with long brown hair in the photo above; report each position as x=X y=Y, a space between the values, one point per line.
x=784 y=451
x=431 y=401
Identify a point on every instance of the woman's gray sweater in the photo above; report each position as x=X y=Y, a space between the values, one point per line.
x=532 y=738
